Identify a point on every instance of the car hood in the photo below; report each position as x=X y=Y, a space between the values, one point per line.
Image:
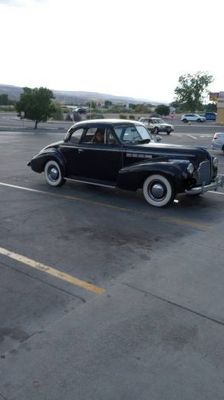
x=171 y=151
x=160 y=124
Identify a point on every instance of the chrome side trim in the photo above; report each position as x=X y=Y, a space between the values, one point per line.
x=90 y=183
x=118 y=149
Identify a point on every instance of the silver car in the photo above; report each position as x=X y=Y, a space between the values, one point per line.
x=192 y=118
x=218 y=141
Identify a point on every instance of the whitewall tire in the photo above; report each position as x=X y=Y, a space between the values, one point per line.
x=53 y=173
x=158 y=191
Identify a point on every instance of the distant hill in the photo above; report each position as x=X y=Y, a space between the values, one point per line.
x=74 y=97
x=13 y=92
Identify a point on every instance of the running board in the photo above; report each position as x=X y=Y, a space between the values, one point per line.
x=90 y=183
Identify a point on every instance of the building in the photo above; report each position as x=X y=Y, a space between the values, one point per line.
x=220 y=108
x=218 y=98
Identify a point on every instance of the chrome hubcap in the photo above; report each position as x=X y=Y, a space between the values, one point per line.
x=53 y=174
x=158 y=190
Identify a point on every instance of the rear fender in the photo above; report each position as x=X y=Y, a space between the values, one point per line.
x=38 y=162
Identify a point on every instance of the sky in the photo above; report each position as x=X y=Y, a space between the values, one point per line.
x=120 y=47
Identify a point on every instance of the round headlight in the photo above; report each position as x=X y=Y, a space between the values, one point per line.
x=190 y=168
x=215 y=162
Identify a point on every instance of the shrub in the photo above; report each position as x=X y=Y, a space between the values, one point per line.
x=123 y=116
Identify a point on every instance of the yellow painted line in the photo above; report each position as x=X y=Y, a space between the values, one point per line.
x=148 y=214
x=52 y=271
x=186 y=222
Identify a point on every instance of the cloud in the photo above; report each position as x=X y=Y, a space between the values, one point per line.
x=20 y=3
x=9 y=2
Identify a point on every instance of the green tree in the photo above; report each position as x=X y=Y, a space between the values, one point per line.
x=162 y=109
x=142 y=108
x=36 y=104
x=57 y=111
x=191 y=89
x=211 y=107
x=108 y=103
x=4 y=101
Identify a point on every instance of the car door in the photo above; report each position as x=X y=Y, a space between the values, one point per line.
x=90 y=160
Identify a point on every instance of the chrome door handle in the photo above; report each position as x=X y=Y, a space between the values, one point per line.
x=80 y=150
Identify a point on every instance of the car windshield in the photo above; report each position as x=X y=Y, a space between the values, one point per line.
x=132 y=133
x=157 y=121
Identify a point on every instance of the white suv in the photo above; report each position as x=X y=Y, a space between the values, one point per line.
x=192 y=117
x=156 y=125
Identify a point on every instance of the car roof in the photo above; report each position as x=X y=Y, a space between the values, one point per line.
x=111 y=122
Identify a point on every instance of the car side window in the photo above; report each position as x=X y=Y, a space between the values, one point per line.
x=99 y=135
x=76 y=135
x=89 y=135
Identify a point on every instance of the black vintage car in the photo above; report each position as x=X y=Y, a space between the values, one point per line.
x=123 y=154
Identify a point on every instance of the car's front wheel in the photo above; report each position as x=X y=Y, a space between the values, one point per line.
x=168 y=131
x=53 y=173
x=158 y=191
x=185 y=120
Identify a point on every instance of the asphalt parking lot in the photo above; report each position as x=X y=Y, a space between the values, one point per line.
x=103 y=297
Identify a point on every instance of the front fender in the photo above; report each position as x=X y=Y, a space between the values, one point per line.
x=37 y=163
x=133 y=177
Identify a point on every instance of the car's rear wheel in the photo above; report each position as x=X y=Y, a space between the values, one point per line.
x=158 y=191
x=53 y=173
x=168 y=131
x=156 y=131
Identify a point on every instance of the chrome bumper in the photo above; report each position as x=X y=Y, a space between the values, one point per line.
x=219 y=182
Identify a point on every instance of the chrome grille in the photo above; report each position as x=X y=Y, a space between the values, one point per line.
x=204 y=173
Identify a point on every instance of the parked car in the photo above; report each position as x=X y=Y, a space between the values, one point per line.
x=157 y=125
x=210 y=116
x=127 y=158
x=218 y=141
x=192 y=117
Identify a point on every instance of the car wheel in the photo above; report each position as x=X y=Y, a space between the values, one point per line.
x=158 y=191
x=156 y=131
x=185 y=120
x=168 y=131
x=53 y=173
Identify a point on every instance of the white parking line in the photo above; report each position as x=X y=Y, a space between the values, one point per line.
x=193 y=137
x=213 y=191
x=204 y=135
x=166 y=219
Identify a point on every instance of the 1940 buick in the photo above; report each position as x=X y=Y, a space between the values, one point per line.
x=123 y=154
